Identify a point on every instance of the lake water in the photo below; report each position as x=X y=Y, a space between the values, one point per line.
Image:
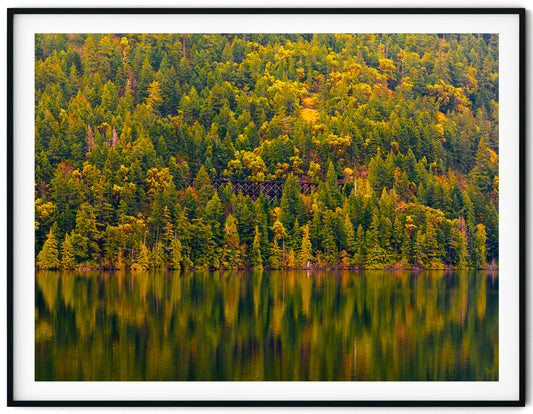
x=262 y=326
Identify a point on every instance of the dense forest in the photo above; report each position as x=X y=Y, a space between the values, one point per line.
x=398 y=131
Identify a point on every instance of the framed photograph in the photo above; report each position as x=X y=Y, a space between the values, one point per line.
x=266 y=207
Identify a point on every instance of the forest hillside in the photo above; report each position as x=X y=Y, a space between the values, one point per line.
x=399 y=132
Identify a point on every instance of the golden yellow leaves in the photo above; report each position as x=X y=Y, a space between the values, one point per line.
x=248 y=163
x=309 y=115
x=43 y=210
x=314 y=171
x=158 y=180
x=493 y=155
x=448 y=95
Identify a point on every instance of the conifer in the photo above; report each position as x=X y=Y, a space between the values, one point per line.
x=67 y=253
x=255 y=257
x=305 y=255
x=48 y=257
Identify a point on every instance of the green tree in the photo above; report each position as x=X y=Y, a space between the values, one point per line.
x=333 y=196
x=202 y=184
x=255 y=258
x=142 y=261
x=231 y=251
x=360 y=252
x=175 y=254
x=86 y=237
x=305 y=255
x=478 y=255
x=376 y=256
x=67 y=253
x=48 y=256
x=292 y=206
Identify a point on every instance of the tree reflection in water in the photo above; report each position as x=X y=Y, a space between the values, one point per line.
x=282 y=326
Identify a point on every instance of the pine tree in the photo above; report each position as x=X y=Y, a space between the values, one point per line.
x=119 y=263
x=158 y=256
x=329 y=234
x=291 y=259
x=316 y=229
x=214 y=215
x=168 y=228
x=231 y=253
x=279 y=234
x=276 y=255
x=305 y=255
x=458 y=244
x=142 y=261
x=491 y=225
x=146 y=77
x=292 y=206
x=255 y=257
x=478 y=256
x=350 y=235
x=203 y=248
x=360 y=252
x=420 y=256
x=345 y=259
x=333 y=192
x=202 y=183
x=406 y=249
x=48 y=257
x=175 y=254
x=86 y=237
x=67 y=253
x=261 y=221
x=432 y=246
x=376 y=257
x=486 y=168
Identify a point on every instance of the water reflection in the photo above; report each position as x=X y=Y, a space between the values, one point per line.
x=283 y=326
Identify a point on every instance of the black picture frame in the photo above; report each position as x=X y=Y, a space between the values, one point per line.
x=400 y=12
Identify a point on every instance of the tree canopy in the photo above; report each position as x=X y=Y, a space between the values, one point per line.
x=400 y=131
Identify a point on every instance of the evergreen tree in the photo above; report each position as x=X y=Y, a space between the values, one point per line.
x=491 y=225
x=202 y=183
x=458 y=244
x=478 y=256
x=86 y=236
x=231 y=253
x=432 y=246
x=329 y=234
x=334 y=197
x=67 y=253
x=360 y=241
x=175 y=254
x=142 y=261
x=292 y=206
x=291 y=259
x=406 y=249
x=255 y=257
x=261 y=221
x=214 y=216
x=48 y=257
x=158 y=257
x=277 y=259
x=376 y=256
x=305 y=255
x=420 y=252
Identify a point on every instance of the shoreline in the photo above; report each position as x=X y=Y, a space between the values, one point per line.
x=310 y=269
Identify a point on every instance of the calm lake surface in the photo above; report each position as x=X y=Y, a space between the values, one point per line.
x=281 y=326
